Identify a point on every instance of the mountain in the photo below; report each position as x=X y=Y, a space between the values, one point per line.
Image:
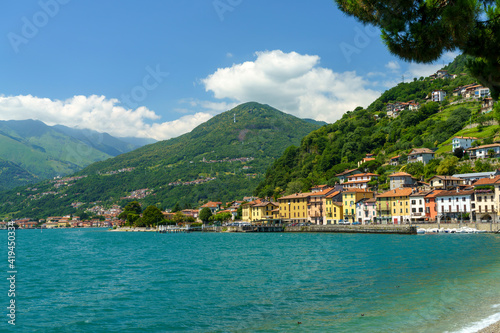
x=12 y=175
x=44 y=152
x=221 y=159
x=97 y=140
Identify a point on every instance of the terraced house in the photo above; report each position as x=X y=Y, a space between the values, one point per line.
x=452 y=205
x=349 y=199
x=393 y=206
x=486 y=199
x=315 y=204
x=293 y=208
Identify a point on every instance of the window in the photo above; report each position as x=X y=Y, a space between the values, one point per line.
x=421 y=210
x=413 y=210
x=413 y=202
x=463 y=198
x=394 y=211
x=449 y=199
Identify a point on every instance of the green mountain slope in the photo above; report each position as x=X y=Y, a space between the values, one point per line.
x=227 y=156
x=45 y=152
x=12 y=175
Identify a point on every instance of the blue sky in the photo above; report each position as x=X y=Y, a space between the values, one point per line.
x=159 y=68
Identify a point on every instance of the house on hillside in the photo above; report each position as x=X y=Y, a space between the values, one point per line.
x=360 y=180
x=214 y=206
x=481 y=92
x=394 y=161
x=470 y=178
x=401 y=179
x=423 y=155
x=438 y=95
x=487 y=105
x=444 y=182
x=343 y=175
x=443 y=74
x=463 y=142
x=484 y=151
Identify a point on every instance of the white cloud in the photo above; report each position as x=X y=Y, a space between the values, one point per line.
x=98 y=113
x=293 y=83
x=393 y=66
x=416 y=70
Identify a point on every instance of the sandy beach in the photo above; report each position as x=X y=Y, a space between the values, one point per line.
x=494 y=328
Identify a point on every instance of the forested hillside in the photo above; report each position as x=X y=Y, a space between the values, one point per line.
x=222 y=159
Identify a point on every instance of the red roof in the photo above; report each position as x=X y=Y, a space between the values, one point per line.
x=399 y=192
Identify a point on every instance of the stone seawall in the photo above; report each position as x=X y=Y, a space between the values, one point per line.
x=363 y=229
x=490 y=227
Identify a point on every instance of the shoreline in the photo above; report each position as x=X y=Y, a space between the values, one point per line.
x=493 y=328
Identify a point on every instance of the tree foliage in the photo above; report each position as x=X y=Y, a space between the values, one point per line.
x=152 y=215
x=205 y=214
x=423 y=30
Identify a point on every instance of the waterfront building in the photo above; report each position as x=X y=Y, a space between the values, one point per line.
x=393 y=206
x=366 y=210
x=349 y=199
x=486 y=199
x=315 y=204
x=333 y=209
x=293 y=208
x=452 y=205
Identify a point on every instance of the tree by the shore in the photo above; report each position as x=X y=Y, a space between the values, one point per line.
x=205 y=214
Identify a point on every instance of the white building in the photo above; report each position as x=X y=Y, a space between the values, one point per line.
x=359 y=180
x=417 y=206
x=423 y=155
x=451 y=205
x=438 y=95
x=482 y=92
x=463 y=142
x=482 y=151
x=366 y=210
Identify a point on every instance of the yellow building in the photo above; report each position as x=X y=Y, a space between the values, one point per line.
x=293 y=208
x=393 y=206
x=333 y=211
x=349 y=199
x=262 y=211
x=258 y=210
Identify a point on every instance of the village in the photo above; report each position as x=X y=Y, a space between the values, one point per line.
x=471 y=197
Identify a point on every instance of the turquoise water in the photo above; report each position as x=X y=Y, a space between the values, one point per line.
x=89 y=280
